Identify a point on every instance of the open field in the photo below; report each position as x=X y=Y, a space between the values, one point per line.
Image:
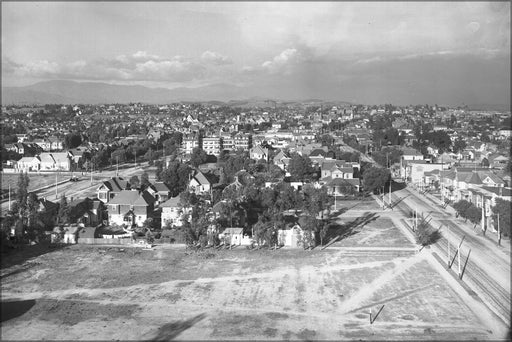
x=370 y=230
x=84 y=292
x=36 y=181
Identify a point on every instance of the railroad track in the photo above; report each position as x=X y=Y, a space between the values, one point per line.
x=492 y=294
x=489 y=291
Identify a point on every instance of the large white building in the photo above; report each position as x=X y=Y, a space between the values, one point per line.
x=212 y=145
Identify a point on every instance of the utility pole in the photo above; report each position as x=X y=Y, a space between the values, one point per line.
x=449 y=253
x=390 y=180
x=483 y=215
x=415 y=218
x=117 y=166
x=56 y=185
x=499 y=232
x=92 y=167
x=458 y=257
x=442 y=186
x=10 y=202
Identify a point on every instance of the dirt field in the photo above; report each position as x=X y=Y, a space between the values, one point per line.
x=36 y=181
x=87 y=293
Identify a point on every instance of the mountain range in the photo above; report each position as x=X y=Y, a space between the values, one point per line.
x=70 y=92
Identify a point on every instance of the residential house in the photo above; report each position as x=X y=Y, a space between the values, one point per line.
x=202 y=182
x=48 y=212
x=498 y=161
x=411 y=154
x=62 y=161
x=292 y=236
x=86 y=211
x=282 y=160
x=130 y=208
x=26 y=164
x=172 y=212
x=67 y=234
x=232 y=236
x=160 y=191
x=56 y=144
x=111 y=187
x=258 y=152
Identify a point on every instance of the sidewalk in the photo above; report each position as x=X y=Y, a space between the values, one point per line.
x=468 y=226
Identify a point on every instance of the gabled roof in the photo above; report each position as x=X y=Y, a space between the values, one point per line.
x=144 y=199
x=205 y=178
x=318 y=152
x=160 y=187
x=495 y=178
x=233 y=231
x=46 y=158
x=260 y=150
x=172 y=202
x=125 y=197
x=116 y=184
x=474 y=179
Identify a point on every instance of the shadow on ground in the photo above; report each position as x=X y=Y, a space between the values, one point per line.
x=16 y=308
x=342 y=231
x=170 y=330
x=20 y=254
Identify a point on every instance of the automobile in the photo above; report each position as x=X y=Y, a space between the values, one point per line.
x=74 y=179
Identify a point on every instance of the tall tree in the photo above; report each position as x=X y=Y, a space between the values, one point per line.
x=134 y=182
x=63 y=214
x=144 y=180
x=504 y=209
x=375 y=178
x=300 y=168
x=198 y=157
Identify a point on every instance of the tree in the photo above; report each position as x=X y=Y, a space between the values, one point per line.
x=134 y=182
x=22 y=193
x=440 y=139
x=387 y=156
x=461 y=207
x=426 y=234
x=300 y=168
x=176 y=176
x=375 y=178
x=72 y=140
x=63 y=214
x=503 y=208
x=144 y=180
x=198 y=157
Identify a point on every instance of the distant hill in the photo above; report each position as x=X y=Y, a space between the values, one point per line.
x=71 y=92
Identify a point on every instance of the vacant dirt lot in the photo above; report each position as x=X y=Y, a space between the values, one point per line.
x=86 y=293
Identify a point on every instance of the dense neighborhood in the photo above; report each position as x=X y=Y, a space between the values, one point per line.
x=218 y=167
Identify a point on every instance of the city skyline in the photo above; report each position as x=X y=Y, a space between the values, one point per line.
x=402 y=53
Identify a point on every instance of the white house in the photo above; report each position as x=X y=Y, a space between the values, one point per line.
x=172 y=212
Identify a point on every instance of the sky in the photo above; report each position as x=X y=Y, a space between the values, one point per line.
x=363 y=52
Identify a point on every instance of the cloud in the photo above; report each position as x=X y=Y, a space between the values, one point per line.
x=140 y=66
x=283 y=63
x=215 y=58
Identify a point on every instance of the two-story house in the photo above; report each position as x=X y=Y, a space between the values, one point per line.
x=201 y=183
x=172 y=212
x=160 y=191
x=130 y=208
x=111 y=187
x=259 y=152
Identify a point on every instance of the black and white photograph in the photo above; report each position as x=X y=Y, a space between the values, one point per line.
x=259 y=171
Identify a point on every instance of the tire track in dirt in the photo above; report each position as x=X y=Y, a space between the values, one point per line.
x=367 y=291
